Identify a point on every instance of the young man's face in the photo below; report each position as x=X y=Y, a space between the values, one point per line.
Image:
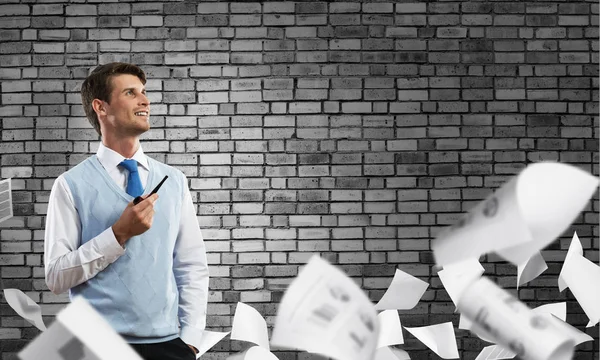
x=128 y=113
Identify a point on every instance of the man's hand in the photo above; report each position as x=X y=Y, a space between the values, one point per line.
x=193 y=348
x=135 y=219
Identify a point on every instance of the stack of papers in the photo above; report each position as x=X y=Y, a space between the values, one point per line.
x=324 y=311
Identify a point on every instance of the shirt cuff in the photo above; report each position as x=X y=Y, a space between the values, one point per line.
x=191 y=336
x=108 y=245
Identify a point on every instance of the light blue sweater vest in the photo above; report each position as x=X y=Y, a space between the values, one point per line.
x=137 y=294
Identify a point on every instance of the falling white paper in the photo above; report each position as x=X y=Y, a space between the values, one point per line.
x=521 y=218
x=439 y=338
x=25 y=307
x=79 y=333
x=390 y=329
x=249 y=325
x=209 y=339
x=456 y=277
x=530 y=269
x=389 y=353
x=466 y=324
x=57 y=343
x=583 y=276
x=323 y=311
x=557 y=309
x=6 y=208
x=551 y=198
x=404 y=292
x=496 y=314
x=495 y=352
x=253 y=353
x=568 y=330
x=575 y=248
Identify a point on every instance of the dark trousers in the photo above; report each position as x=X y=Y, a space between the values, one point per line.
x=175 y=349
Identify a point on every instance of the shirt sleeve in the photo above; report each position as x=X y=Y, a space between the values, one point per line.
x=66 y=263
x=191 y=273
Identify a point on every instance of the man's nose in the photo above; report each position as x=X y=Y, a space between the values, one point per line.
x=144 y=99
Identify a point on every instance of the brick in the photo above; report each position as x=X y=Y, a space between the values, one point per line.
x=305 y=137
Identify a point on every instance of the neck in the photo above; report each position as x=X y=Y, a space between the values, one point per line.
x=124 y=146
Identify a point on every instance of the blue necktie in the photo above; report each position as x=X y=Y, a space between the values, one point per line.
x=134 y=184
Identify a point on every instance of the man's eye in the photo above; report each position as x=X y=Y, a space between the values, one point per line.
x=129 y=92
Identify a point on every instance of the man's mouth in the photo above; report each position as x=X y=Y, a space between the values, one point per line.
x=141 y=113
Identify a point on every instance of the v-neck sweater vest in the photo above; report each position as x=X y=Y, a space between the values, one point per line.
x=137 y=294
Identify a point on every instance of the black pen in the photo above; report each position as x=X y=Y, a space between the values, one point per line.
x=139 y=198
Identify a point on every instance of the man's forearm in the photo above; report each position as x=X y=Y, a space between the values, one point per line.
x=68 y=268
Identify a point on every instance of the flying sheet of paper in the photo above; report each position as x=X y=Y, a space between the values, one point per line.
x=456 y=277
x=551 y=197
x=439 y=338
x=575 y=248
x=390 y=353
x=404 y=292
x=530 y=269
x=582 y=277
x=495 y=352
x=6 y=208
x=209 y=339
x=253 y=353
x=466 y=324
x=25 y=307
x=498 y=315
x=249 y=325
x=57 y=343
x=323 y=311
x=557 y=309
x=79 y=333
x=521 y=218
x=483 y=229
x=390 y=329
x=568 y=330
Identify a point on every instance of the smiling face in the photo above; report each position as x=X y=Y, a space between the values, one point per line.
x=127 y=114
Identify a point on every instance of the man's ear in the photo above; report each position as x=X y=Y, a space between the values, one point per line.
x=99 y=106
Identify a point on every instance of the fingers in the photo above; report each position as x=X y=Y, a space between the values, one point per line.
x=144 y=211
x=147 y=221
x=153 y=198
x=150 y=199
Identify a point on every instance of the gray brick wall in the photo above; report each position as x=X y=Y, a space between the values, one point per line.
x=351 y=130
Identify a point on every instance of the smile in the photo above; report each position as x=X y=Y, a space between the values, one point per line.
x=141 y=113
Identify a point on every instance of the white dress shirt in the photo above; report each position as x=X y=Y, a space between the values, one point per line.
x=68 y=264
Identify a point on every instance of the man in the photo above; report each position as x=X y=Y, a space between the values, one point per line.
x=143 y=267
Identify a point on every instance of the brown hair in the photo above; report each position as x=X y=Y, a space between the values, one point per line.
x=98 y=85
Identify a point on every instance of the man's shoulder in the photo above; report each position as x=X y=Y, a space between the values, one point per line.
x=165 y=168
x=82 y=166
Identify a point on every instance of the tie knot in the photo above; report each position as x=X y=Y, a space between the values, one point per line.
x=130 y=164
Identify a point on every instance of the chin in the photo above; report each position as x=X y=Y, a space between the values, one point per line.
x=143 y=130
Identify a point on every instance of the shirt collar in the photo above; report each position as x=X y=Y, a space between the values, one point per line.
x=110 y=159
